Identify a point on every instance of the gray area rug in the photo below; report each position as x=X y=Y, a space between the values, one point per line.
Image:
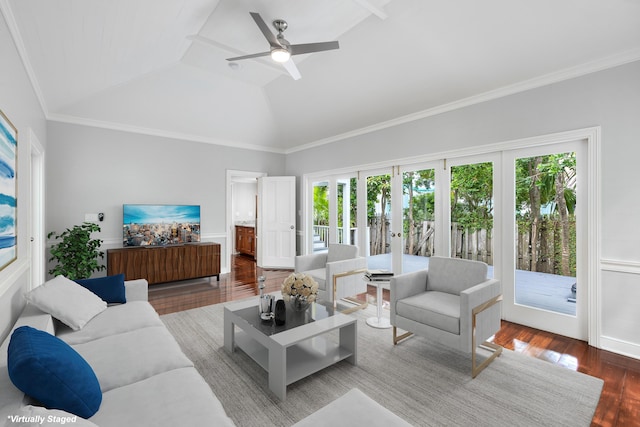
x=426 y=384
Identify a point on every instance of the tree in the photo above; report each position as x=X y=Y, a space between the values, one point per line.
x=320 y=205
x=379 y=191
x=472 y=196
x=562 y=168
x=418 y=186
x=547 y=180
x=527 y=185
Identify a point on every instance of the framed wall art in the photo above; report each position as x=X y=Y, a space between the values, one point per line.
x=8 y=191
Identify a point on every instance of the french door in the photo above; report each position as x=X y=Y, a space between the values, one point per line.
x=397 y=216
x=334 y=218
x=377 y=237
x=417 y=201
x=527 y=208
x=544 y=277
x=473 y=186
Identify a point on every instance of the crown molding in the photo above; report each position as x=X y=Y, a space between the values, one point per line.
x=555 y=77
x=64 y=118
x=547 y=79
x=12 y=24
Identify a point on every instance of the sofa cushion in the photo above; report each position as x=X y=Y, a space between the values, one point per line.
x=454 y=275
x=110 y=289
x=122 y=359
x=67 y=301
x=439 y=310
x=50 y=371
x=114 y=320
x=175 y=398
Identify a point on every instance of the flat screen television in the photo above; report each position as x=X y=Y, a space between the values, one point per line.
x=160 y=225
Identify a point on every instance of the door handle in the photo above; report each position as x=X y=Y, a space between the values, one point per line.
x=292 y=227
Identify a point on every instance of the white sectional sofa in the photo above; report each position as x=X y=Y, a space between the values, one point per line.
x=145 y=378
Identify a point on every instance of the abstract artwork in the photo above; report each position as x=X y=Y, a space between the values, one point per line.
x=8 y=185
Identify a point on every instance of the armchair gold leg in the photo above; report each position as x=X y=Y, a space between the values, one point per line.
x=358 y=306
x=475 y=368
x=397 y=339
x=497 y=350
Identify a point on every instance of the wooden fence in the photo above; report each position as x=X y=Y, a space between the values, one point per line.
x=478 y=244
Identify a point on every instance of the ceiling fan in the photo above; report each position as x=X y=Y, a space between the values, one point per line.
x=281 y=50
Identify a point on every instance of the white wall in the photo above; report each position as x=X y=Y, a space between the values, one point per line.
x=610 y=99
x=20 y=104
x=91 y=170
x=244 y=201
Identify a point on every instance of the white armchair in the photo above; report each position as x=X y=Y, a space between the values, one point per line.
x=340 y=263
x=452 y=302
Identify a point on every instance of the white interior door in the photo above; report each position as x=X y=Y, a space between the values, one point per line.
x=276 y=222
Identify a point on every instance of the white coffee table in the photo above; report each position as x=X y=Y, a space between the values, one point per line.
x=379 y=321
x=295 y=350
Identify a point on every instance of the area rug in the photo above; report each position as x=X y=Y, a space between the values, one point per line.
x=424 y=383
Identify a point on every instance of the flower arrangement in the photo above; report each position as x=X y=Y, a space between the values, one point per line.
x=299 y=289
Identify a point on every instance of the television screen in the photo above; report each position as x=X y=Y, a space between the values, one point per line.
x=158 y=225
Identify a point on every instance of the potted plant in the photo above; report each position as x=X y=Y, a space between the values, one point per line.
x=76 y=252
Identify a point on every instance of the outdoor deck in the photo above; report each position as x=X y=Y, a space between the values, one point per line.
x=540 y=290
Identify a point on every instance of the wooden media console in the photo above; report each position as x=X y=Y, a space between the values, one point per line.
x=161 y=264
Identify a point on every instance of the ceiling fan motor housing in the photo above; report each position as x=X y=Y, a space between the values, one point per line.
x=280 y=25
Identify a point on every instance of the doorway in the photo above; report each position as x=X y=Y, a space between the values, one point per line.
x=242 y=190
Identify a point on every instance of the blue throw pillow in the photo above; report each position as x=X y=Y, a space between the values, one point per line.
x=46 y=368
x=110 y=288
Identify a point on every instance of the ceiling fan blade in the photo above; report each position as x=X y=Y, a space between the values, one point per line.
x=253 y=55
x=297 y=49
x=290 y=66
x=271 y=38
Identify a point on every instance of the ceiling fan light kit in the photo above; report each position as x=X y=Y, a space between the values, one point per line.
x=281 y=50
x=280 y=54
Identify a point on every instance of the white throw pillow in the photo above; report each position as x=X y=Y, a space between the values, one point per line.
x=67 y=301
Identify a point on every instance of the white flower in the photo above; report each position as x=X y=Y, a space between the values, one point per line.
x=301 y=286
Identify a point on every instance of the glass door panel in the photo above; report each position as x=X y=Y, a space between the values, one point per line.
x=378 y=191
x=320 y=232
x=418 y=228
x=545 y=256
x=472 y=210
x=347 y=211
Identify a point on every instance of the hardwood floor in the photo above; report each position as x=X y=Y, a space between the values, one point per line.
x=620 y=400
x=241 y=282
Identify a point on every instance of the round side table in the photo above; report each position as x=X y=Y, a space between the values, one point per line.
x=379 y=321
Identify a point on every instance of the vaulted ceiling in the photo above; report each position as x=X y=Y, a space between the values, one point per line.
x=159 y=66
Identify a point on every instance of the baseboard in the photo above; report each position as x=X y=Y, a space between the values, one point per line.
x=618 y=346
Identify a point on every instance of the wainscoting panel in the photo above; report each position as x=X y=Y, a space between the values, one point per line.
x=620 y=318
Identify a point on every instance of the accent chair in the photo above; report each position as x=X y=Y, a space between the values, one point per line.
x=452 y=303
x=339 y=267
